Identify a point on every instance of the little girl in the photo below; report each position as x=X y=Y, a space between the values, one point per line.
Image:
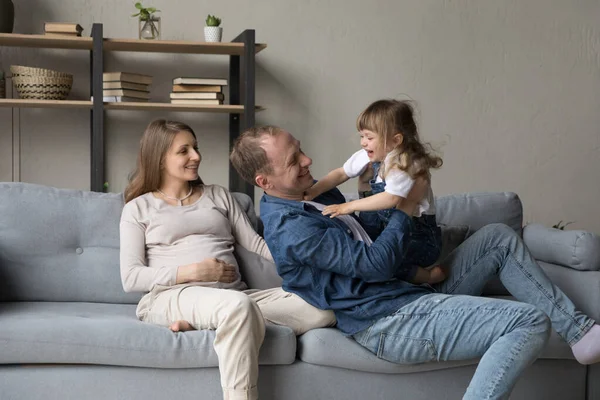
x=390 y=141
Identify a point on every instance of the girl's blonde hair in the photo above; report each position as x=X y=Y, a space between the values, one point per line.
x=387 y=118
x=155 y=143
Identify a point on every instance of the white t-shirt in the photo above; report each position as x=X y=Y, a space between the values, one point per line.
x=353 y=225
x=397 y=182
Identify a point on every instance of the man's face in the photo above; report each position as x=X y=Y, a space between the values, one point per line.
x=291 y=174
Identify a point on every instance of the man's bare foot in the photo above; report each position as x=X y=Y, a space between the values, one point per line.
x=181 y=326
x=436 y=275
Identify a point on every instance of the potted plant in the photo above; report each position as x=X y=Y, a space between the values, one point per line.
x=212 y=30
x=562 y=225
x=148 y=23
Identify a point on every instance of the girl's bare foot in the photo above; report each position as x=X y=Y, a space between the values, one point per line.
x=436 y=275
x=181 y=326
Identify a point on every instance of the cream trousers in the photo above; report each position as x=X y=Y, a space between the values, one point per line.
x=238 y=319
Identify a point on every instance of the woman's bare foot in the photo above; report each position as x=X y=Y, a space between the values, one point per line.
x=181 y=326
x=436 y=275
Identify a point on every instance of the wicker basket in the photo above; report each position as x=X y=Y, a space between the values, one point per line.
x=39 y=83
x=18 y=70
x=42 y=87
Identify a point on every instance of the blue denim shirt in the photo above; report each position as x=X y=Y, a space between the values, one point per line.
x=320 y=261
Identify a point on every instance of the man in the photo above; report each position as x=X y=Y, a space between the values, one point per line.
x=324 y=261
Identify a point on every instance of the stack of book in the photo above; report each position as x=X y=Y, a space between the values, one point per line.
x=125 y=86
x=62 y=29
x=199 y=91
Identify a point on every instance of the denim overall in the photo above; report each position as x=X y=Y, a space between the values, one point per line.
x=425 y=242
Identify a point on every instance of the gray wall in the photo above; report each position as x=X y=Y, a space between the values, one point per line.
x=509 y=90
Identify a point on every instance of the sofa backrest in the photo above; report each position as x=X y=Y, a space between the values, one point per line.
x=63 y=245
x=476 y=210
x=60 y=245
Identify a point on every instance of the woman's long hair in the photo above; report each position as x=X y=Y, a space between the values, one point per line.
x=386 y=118
x=155 y=143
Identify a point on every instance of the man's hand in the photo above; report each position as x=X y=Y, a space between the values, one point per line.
x=415 y=196
x=365 y=178
x=338 y=209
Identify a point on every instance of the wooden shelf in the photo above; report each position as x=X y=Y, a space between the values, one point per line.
x=177 y=46
x=137 y=45
x=241 y=75
x=43 y=41
x=225 y=108
x=26 y=103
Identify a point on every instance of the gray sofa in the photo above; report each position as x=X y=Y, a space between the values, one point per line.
x=68 y=331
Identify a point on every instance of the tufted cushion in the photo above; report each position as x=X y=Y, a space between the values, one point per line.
x=479 y=209
x=110 y=334
x=60 y=245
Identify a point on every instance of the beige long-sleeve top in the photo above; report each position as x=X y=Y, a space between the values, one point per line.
x=157 y=238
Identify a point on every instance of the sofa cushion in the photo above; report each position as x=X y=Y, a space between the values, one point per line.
x=256 y=271
x=60 y=245
x=452 y=237
x=479 y=209
x=575 y=249
x=63 y=245
x=110 y=334
x=329 y=347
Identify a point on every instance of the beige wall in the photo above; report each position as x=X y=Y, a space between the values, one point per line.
x=510 y=88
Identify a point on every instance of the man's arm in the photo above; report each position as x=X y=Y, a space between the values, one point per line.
x=313 y=242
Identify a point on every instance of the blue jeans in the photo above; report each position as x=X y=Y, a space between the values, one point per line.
x=454 y=324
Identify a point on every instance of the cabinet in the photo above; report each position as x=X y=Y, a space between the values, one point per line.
x=241 y=107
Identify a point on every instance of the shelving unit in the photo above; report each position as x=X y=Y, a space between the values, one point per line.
x=241 y=107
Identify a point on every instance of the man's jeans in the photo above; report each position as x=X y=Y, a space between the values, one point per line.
x=455 y=325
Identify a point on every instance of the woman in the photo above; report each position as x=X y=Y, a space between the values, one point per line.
x=177 y=239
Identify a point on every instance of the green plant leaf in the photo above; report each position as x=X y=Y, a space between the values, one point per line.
x=138 y=5
x=212 y=20
x=135 y=15
x=151 y=10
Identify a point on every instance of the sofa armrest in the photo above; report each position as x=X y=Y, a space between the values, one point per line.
x=582 y=287
x=574 y=249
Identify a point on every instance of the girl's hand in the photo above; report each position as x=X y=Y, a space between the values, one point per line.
x=338 y=209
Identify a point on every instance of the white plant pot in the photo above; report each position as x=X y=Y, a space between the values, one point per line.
x=213 y=33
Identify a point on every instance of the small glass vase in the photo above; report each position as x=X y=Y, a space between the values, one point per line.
x=149 y=29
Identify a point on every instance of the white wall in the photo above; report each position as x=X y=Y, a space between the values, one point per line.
x=510 y=88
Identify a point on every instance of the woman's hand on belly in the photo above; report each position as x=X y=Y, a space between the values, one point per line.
x=207 y=270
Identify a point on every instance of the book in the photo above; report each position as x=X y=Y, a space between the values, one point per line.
x=71 y=34
x=196 y=102
x=199 y=81
x=62 y=27
x=116 y=99
x=198 y=88
x=126 y=77
x=122 y=99
x=218 y=96
x=125 y=85
x=126 y=92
